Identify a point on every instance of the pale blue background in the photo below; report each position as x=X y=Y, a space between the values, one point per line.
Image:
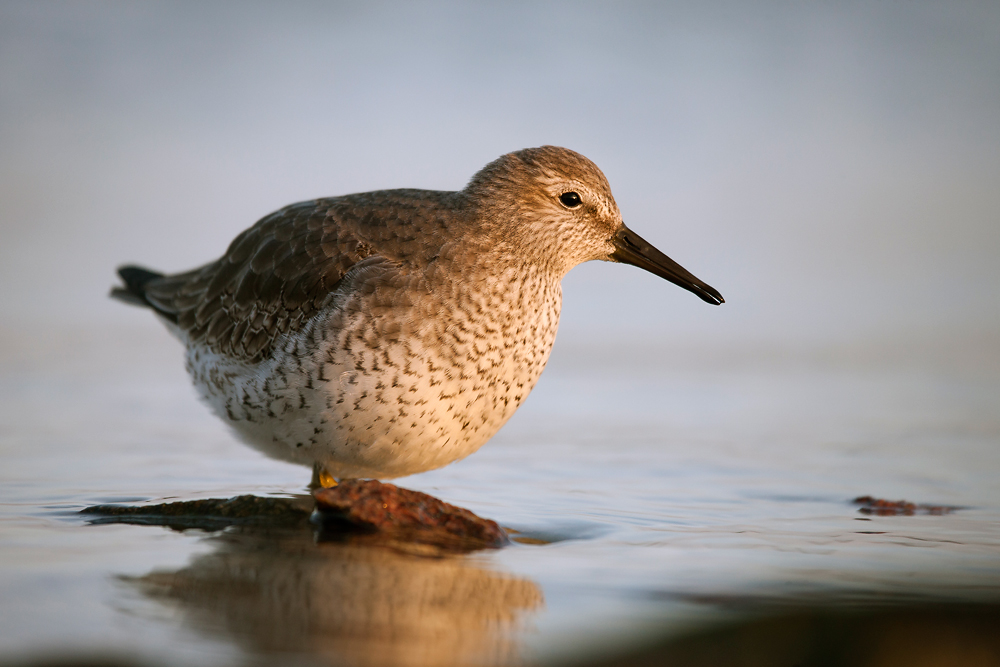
x=832 y=168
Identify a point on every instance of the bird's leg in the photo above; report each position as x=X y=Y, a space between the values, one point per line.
x=321 y=479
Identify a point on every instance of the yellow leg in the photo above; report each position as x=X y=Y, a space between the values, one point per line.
x=326 y=480
x=321 y=478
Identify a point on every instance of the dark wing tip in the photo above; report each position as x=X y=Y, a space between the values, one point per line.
x=134 y=292
x=136 y=277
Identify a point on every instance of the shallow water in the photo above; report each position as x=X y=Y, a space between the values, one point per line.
x=830 y=167
x=652 y=496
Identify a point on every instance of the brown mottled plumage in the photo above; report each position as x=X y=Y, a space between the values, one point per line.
x=385 y=333
x=277 y=274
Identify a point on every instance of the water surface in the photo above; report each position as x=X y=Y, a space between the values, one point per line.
x=831 y=168
x=652 y=498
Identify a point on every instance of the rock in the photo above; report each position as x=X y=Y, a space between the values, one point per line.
x=364 y=510
x=375 y=506
x=209 y=513
x=883 y=507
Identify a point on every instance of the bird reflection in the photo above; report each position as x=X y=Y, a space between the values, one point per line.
x=356 y=599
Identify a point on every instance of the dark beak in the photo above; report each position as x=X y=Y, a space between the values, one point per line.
x=630 y=248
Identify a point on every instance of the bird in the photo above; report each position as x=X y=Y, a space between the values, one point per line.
x=387 y=333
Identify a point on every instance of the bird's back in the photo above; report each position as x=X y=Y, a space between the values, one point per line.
x=280 y=272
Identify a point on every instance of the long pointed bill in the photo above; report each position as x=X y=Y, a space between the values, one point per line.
x=630 y=248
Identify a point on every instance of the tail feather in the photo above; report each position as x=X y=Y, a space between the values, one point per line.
x=134 y=291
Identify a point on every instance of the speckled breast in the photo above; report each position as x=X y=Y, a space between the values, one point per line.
x=404 y=377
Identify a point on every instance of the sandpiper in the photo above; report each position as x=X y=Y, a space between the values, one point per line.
x=387 y=333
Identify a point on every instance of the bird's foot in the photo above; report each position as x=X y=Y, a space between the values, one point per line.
x=321 y=479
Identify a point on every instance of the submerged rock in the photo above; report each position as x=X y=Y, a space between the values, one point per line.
x=208 y=513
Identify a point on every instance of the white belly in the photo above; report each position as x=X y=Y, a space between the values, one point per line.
x=367 y=406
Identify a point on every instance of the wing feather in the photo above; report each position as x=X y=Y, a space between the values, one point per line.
x=279 y=273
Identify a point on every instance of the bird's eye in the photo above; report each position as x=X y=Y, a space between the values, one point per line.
x=570 y=199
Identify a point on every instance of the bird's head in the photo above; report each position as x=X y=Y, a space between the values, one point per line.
x=555 y=206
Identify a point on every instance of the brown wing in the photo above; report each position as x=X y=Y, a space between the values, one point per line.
x=278 y=274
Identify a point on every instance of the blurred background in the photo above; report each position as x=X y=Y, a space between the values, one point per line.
x=833 y=168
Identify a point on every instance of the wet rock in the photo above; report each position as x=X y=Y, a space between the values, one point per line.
x=386 y=508
x=209 y=513
x=883 y=507
x=364 y=510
